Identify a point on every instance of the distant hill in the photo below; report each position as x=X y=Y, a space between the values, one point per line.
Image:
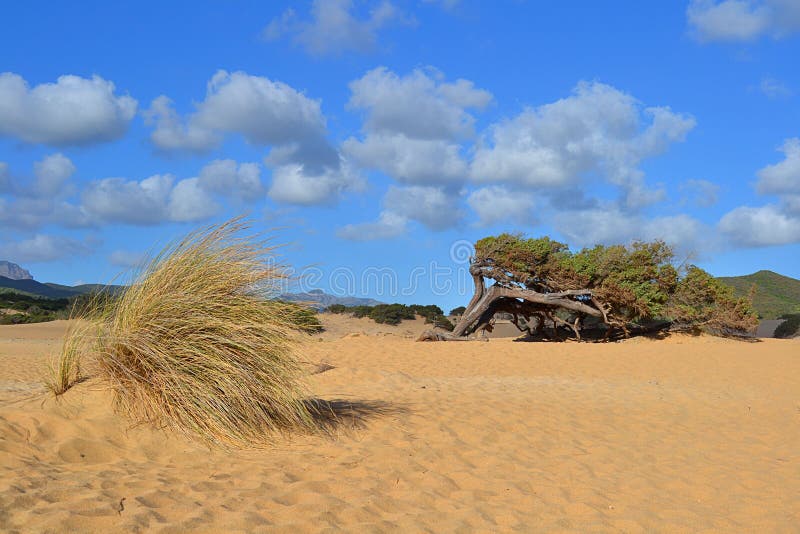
x=317 y=298
x=775 y=294
x=53 y=291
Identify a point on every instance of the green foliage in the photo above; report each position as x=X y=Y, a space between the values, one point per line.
x=790 y=327
x=21 y=308
x=443 y=323
x=633 y=283
x=458 y=311
x=392 y=314
x=774 y=295
x=702 y=301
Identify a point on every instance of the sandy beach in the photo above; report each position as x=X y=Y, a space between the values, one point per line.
x=685 y=434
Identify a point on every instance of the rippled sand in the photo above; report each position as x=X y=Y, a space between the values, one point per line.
x=678 y=435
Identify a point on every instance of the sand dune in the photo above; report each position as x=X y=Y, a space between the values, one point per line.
x=678 y=435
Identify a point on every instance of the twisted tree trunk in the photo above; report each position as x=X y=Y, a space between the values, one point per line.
x=523 y=304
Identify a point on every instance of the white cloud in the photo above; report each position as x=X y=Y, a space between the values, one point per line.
x=419 y=105
x=51 y=174
x=43 y=248
x=762 y=226
x=609 y=225
x=782 y=177
x=388 y=225
x=496 y=204
x=126 y=259
x=334 y=27
x=294 y=183
x=773 y=224
x=188 y=202
x=172 y=134
x=413 y=161
x=598 y=128
x=262 y=111
x=72 y=111
x=146 y=202
x=223 y=177
x=742 y=20
x=431 y=206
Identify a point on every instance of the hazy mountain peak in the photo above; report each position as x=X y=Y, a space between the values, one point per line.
x=14 y=271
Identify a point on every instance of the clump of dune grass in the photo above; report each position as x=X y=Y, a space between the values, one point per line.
x=193 y=345
x=64 y=370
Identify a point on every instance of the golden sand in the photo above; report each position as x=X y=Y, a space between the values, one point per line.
x=678 y=435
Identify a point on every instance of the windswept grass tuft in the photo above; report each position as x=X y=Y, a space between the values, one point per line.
x=64 y=370
x=193 y=346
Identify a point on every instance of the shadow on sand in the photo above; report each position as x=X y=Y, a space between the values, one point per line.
x=334 y=415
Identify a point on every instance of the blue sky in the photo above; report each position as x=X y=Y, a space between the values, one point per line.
x=380 y=137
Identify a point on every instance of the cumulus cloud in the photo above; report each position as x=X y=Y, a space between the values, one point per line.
x=71 y=111
x=44 y=248
x=306 y=169
x=150 y=201
x=51 y=174
x=414 y=125
x=388 y=225
x=334 y=26
x=761 y=226
x=419 y=105
x=773 y=224
x=264 y=112
x=782 y=177
x=596 y=129
x=742 y=20
x=224 y=177
x=172 y=133
x=412 y=161
x=609 y=225
x=432 y=206
x=294 y=183
x=496 y=204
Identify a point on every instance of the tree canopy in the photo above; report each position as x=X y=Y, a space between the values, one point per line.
x=540 y=280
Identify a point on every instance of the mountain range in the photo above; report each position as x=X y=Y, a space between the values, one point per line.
x=317 y=298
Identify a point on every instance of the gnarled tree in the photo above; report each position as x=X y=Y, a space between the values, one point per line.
x=546 y=290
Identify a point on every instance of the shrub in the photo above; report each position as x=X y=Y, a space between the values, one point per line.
x=191 y=346
x=336 y=308
x=458 y=311
x=443 y=323
x=790 y=327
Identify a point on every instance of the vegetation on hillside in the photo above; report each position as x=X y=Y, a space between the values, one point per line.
x=774 y=295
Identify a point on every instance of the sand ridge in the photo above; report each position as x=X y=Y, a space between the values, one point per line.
x=678 y=435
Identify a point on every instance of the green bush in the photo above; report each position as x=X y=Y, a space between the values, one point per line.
x=458 y=311
x=336 y=308
x=790 y=327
